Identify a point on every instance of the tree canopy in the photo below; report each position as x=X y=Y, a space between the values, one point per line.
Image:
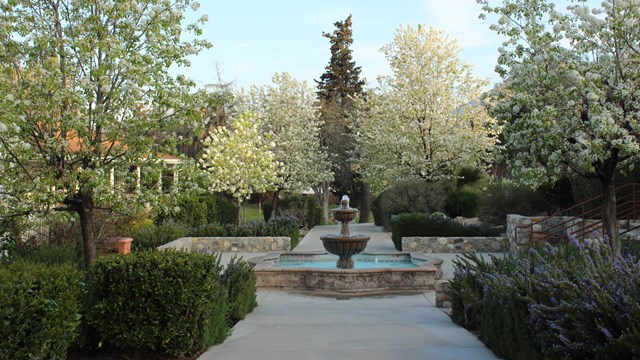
x=86 y=91
x=289 y=115
x=570 y=101
x=240 y=159
x=425 y=121
x=336 y=87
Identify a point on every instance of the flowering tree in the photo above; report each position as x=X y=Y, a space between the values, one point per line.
x=240 y=159
x=424 y=121
x=571 y=97
x=289 y=116
x=85 y=90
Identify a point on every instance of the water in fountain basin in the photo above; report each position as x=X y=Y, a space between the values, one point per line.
x=360 y=262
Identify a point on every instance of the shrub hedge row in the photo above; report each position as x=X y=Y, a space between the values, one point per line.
x=151 y=236
x=418 y=224
x=169 y=303
x=40 y=309
x=571 y=302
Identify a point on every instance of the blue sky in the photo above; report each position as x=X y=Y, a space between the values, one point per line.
x=253 y=39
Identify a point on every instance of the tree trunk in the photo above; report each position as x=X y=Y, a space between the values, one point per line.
x=274 y=205
x=85 y=210
x=238 y=203
x=365 y=192
x=609 y=211
x=325 y=202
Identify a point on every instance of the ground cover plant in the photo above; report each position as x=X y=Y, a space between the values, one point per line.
x=570 y=302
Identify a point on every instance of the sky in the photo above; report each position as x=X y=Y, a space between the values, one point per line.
x=253 y=39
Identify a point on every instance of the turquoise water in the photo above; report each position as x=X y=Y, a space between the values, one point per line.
x=357 y=264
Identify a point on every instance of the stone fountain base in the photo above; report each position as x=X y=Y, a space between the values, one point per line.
x=347 y=282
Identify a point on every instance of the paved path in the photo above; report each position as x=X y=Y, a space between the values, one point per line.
x=290 y=326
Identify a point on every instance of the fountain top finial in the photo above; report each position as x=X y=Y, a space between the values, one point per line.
x=345 y=201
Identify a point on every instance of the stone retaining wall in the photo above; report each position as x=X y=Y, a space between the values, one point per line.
x=230 y=244
x=454 y=244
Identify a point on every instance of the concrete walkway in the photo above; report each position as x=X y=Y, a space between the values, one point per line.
x=291 y=326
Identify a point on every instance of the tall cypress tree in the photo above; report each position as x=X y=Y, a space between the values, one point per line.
x=340 y=81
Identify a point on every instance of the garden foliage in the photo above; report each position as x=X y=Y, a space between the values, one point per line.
x=418 y=224
x=40 y=309
x=409 y=197
x=240 y=280
x=280 y=226
x=570 y=302
x=192 y=210
x=462 y=202
x=304 y=208
x=169 y=302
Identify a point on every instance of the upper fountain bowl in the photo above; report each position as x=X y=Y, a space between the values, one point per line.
x=343 y=215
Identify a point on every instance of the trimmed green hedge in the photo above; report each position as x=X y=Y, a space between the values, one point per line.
x=279 y=226
x=417 y=224
x=170 y=302
x=40 y=309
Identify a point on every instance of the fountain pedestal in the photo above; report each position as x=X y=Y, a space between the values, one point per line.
x=345 y=244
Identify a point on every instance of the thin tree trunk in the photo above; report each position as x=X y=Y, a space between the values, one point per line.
x=86 y=226
x=274 y=204
x=609 y=210
x=238 y=212
x=325 y=202
x=365 y=192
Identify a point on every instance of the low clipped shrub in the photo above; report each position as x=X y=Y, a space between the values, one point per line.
x=169 y=302
x=417 y=224
x=462 y=203
x=279 y=226
x=414 y=196
x=240 y=281
x=193 y=210
x=40 y=309
x=570 y=302
x=151 y=236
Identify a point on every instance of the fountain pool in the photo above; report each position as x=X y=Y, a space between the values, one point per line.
x=374 y=273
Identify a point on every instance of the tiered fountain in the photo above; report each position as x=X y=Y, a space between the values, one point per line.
x=345 y=244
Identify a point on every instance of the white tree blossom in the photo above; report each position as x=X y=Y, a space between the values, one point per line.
x=240 y=158
x=290 y=117
x=425 y=120
x=85 y=91
x=571 y=96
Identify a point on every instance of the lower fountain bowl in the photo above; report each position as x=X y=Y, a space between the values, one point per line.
x=375 y=273
x=344 y=246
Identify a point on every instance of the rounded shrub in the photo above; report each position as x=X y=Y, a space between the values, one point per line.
x=168 y=302
x=462 y=203
x=40 y=309
x=413 y=196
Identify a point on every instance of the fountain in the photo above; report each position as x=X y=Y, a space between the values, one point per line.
x=345 y=244
x=372 y=273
